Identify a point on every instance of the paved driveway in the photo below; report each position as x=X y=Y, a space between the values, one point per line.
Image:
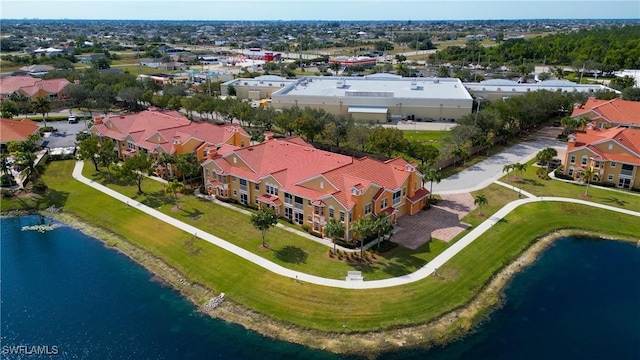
x=441 y=222
x=485 y=172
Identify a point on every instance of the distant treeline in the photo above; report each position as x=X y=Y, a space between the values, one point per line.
x=608 y=49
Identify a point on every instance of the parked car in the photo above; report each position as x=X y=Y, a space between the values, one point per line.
x=72 y=119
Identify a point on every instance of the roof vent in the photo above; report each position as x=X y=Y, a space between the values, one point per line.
x=414 y=84
x=339 y=84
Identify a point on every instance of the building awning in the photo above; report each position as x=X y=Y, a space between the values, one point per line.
x=269 y=199
x=419 y=195
x=368 y=109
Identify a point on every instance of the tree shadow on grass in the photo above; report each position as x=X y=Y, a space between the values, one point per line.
x=194 y=214
x=615 y=201
x=292 y=254
x=154 y=200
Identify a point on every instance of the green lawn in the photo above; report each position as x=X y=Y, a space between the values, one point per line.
x=285 y=248
x=430 y=137
x=319 y=307
x=539 y=187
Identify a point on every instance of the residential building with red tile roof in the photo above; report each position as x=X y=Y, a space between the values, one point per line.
x=16 y=130
x=609 y=113
x=614 y=152
x=308 y=186
x=34 y=88
x=167 y=132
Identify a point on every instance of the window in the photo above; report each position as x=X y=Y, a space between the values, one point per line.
x=404 y=191
x=309 y=202
x=131 y=146
x=206 y=173
x=256 y=201
x=396 y=197
x=613 y=164
x=271 y=189
x=584 y=160
x=330 y=211
x=610 y=147
x=299 y=218
x=383 y=204
x=342 y=216
x=257 y=186
x=610 y=178
x=367 y=209
x=288 y=212
x=233 y=178
x=597 y=164
x=570 y=173
x=573 y=159
x=350 y=216
x=309 y=218
x=235 y=193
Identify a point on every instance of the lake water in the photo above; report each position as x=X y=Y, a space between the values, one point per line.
x=69 y=292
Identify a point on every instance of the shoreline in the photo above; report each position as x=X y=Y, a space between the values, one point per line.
x=442 y=330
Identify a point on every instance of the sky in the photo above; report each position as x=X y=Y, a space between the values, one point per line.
x=319 y=10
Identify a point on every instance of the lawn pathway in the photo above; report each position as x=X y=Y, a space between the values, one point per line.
x=422 y=273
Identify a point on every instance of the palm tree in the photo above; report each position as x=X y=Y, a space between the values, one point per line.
x=480 y=201
x=360 y=230
x=546 y=155
x=166 y=160
x=173 y=188
x=381 y=225
x=521 y=168
x=507 y=168
x=432 y=176
x=334 y=229
x=43 y=106
x=587 y=175
x=458 y=153
x=22 y=100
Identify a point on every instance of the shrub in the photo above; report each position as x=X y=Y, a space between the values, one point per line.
x=7 y=180
x=316 y=234
x=305 y=228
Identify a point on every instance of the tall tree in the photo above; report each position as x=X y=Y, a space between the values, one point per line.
x=107 y=155
x=9 y=109
x=173 y=188
x=263 y=220
x=432 y=175
x=381 y=225
x=480 y=201
x=43 y=106
x=90 y=150
x=334 y=229
x=360 y=230
x=546 y=155
x=588 y=175
x=136 y=168
x=386 y=141
x=426 y=153
x=188 y=165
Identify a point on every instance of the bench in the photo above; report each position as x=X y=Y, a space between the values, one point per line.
x=354 y=276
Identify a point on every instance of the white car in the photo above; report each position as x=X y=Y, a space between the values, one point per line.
x=72 y=119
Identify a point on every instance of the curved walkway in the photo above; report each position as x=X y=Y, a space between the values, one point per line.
x=420 y=274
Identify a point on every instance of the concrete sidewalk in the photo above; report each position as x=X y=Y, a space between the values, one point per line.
x=422 y=273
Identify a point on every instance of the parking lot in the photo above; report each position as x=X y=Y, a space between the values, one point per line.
x=65 y=136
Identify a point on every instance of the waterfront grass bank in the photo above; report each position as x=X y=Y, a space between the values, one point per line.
x=346 y=321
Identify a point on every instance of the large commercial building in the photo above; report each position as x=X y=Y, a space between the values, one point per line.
x=308 y=186
x=500 y=89
x=378 y=97
x=257 y=88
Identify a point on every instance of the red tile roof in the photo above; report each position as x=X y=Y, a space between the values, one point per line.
x=617 y=110
x=30 y=85
x=170 y=125
x=294 y=163
x=16 y=130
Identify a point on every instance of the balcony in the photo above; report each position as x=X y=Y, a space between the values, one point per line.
x=243 y=188
x=298 y=206
x=624 y=172
x=288 y=201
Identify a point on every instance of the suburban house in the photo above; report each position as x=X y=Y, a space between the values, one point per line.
x=308 y=186
x=33 y=87
x=609 y=113
x=614 y=152
x=16 y=130
x=169 y=132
